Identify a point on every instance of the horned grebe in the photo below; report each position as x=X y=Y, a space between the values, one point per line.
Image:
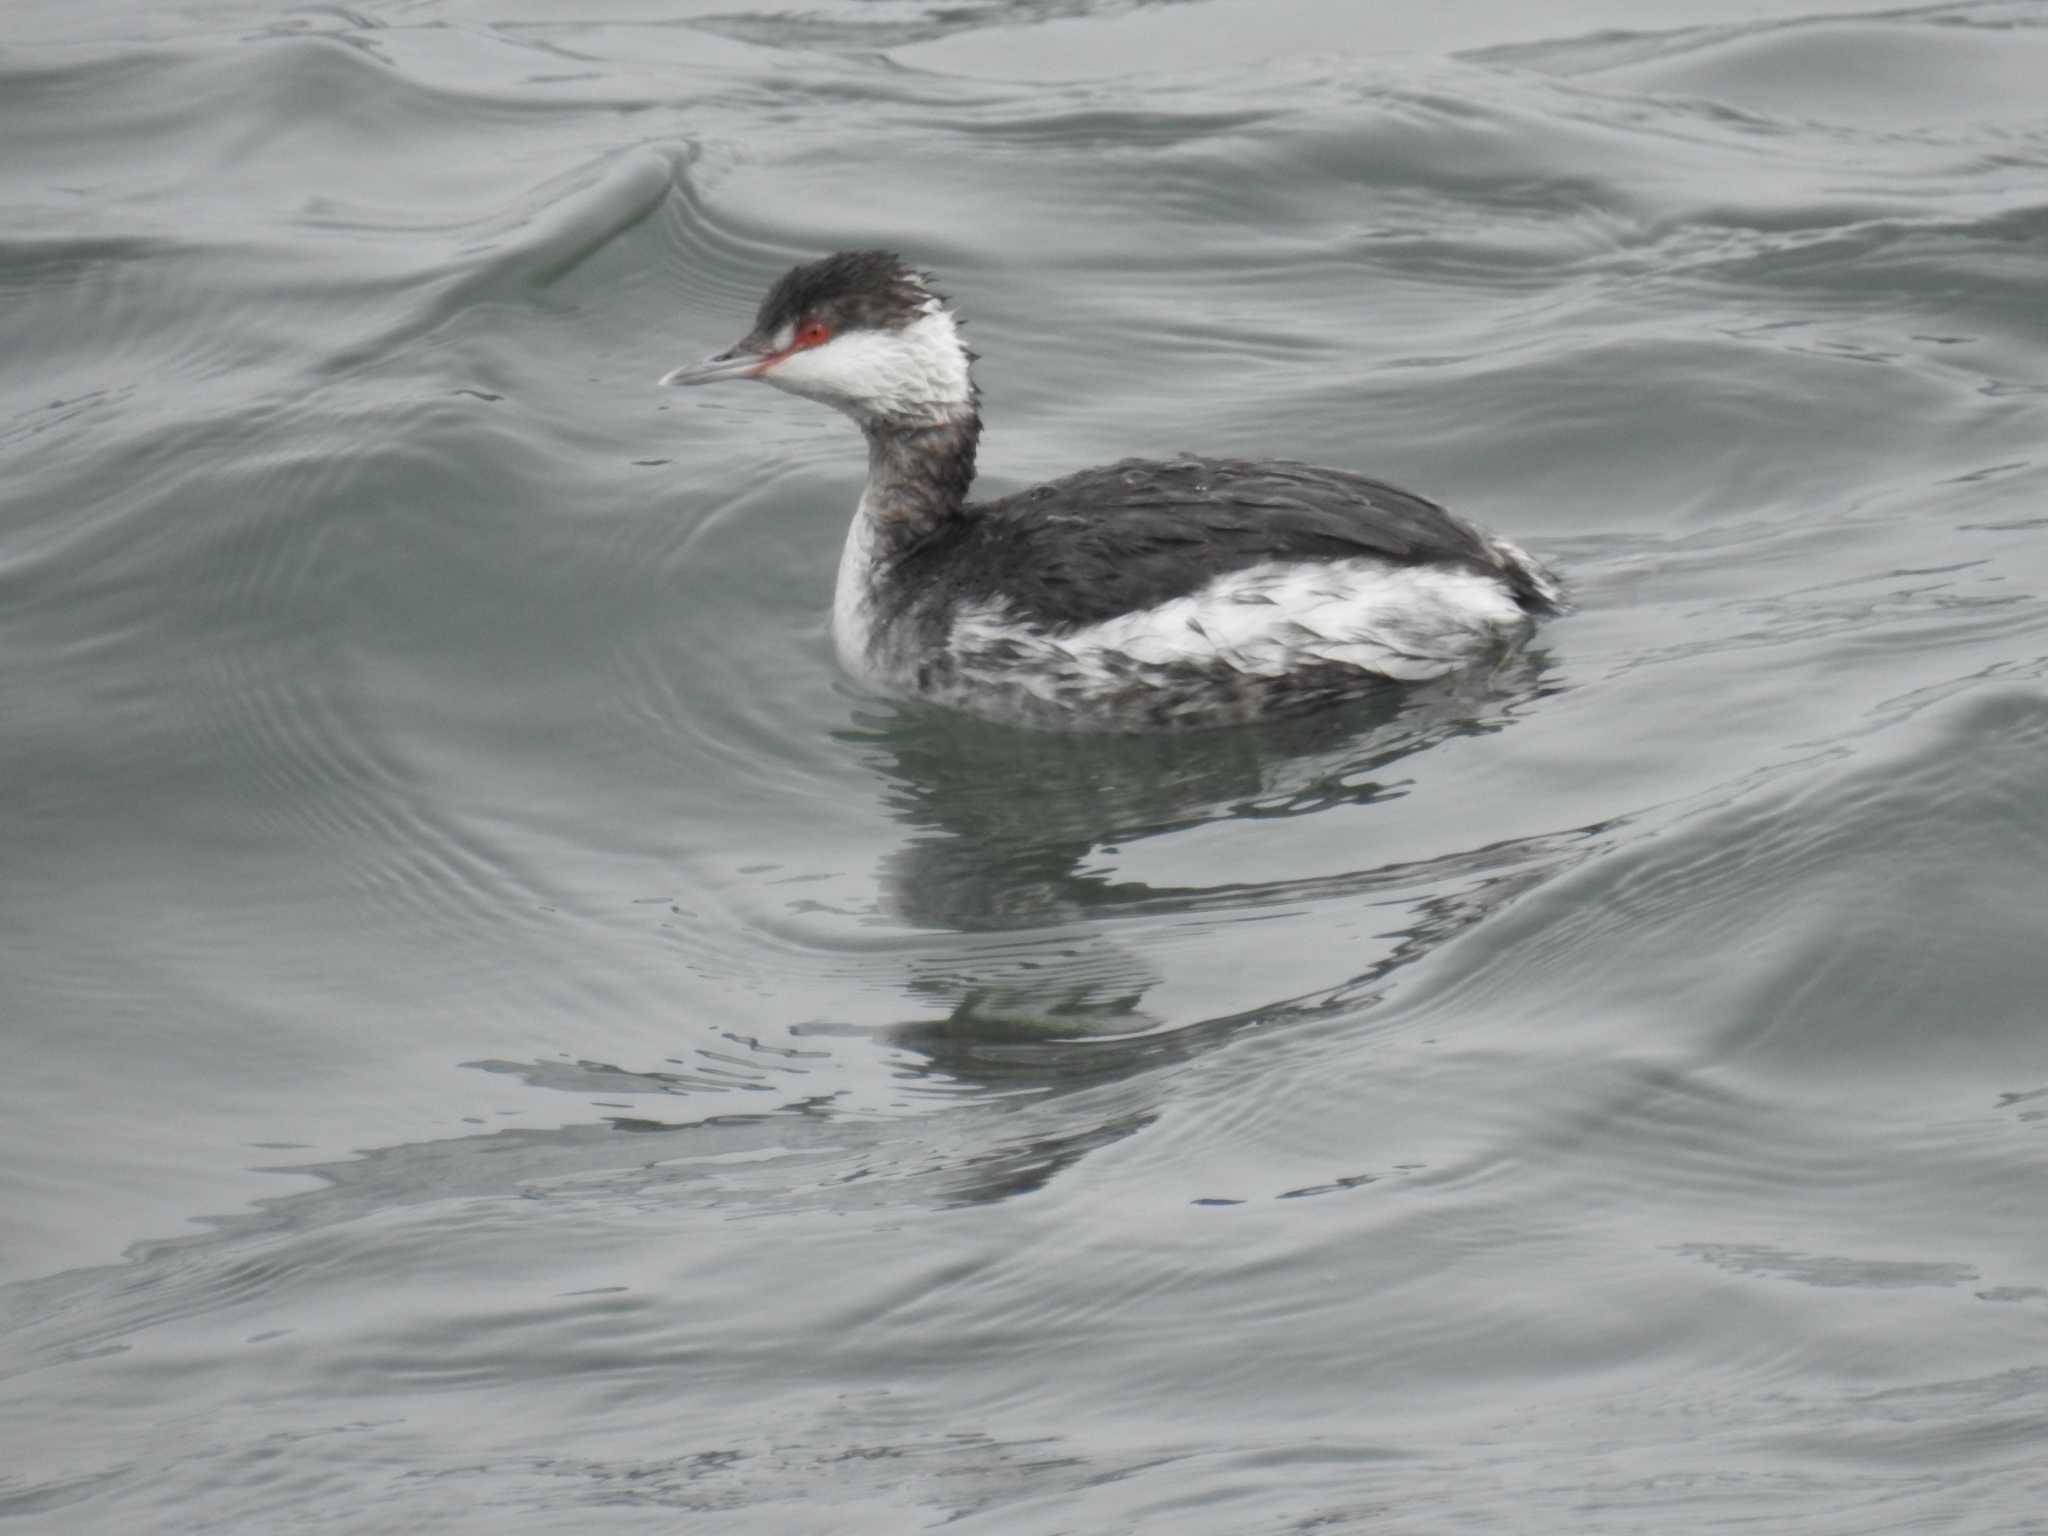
x=1139 y=596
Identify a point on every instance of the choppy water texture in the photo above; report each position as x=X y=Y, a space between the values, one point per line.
x=502 y=1039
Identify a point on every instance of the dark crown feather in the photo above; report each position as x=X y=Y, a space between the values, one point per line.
x=852 y=290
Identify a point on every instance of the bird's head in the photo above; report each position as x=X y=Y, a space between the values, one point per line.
x=860 y=331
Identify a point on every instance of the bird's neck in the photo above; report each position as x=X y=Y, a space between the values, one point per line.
x=918 y=475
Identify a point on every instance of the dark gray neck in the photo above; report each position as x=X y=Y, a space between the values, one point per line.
x=918 y=474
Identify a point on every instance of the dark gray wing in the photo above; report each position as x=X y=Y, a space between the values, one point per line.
x=1139 y=533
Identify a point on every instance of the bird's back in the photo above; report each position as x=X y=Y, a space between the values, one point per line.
x=1133 y=535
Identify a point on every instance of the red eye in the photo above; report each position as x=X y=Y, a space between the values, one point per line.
x=812 y=332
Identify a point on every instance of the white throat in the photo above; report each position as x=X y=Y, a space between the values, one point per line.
x=853 y=609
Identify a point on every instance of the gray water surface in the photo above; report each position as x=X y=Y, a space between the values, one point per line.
x=502 y=1038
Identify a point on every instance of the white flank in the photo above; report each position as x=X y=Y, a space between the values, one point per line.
x=1406 y=623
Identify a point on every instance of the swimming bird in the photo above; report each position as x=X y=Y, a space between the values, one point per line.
x=1142 y=595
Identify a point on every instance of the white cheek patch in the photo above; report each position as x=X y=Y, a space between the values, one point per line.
x=920 y=370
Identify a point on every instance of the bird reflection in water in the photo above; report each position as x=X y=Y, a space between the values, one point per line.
x=1014 y=832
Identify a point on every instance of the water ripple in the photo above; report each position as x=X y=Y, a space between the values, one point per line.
x=635 y=1078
